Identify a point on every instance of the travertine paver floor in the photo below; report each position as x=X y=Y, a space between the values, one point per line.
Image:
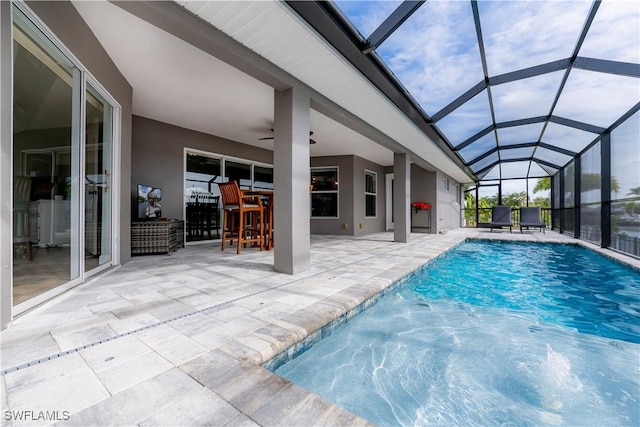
x=180 y=339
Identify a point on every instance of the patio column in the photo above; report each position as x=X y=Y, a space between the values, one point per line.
x=401 y=197
x=291 y=168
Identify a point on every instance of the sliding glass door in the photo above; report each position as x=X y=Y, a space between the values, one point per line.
x=63 y=127
x=97 y=183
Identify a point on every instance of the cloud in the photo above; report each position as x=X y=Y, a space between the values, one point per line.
x=614 y=33
x=435 y=55
x=476 y=148
x=526 y=98
x=466 y=121
x=521 y=34
x=567 y=137
x=519 y=134
x=597 y=98
x=366 y=16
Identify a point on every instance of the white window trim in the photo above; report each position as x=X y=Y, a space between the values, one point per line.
x=375 y=180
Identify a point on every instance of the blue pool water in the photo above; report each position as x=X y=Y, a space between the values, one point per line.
x=490 y=334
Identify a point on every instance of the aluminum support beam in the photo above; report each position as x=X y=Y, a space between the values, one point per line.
x=459 y=101
x=609 y=67
x=576 y=124
x=393 y=21
x=521 y=122
x=475 y=137
x=576 y=197
x=557 y=149
x=605 y=191
x=534 y=71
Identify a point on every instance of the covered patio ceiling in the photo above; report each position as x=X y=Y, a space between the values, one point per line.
x=177 y=83
x=516 y=89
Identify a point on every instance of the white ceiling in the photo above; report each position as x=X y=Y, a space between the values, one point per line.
x=177 y=83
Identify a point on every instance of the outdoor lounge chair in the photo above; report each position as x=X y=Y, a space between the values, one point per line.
x=530 y=217
x=501 y=217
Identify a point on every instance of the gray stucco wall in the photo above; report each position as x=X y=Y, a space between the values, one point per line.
x=430 y=187
x=448 y=207
x=158 y=156
x=65 y=22
x=363 y=225
x=423 y=189
x=351 y=198
x=345 y=197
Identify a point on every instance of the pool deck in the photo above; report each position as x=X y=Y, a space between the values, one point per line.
x=180 y=339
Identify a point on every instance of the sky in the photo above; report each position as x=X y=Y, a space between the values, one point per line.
x=435 y=55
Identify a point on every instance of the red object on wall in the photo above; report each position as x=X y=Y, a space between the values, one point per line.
x=421 y=205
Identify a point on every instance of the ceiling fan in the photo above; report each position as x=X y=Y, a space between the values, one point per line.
x=311 y=141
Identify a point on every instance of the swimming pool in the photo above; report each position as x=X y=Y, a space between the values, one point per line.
x=490 y=333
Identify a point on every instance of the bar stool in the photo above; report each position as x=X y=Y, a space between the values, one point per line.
x=236 y=205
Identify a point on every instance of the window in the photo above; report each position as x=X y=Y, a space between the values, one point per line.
x=446 y=184
x=203 y=172
x=241 y=172
x=625 y=186
x=262 y=177
x=324 y=192
x=370 y=193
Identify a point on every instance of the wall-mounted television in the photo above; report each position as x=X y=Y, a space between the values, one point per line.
x=149 y=202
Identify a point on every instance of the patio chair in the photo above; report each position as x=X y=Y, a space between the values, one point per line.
x=235 y=205
x=501 y=217
x=21 y=194
x=531 y=217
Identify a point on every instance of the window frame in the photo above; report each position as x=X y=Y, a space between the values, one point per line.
x=373 y=174
x=336 y=191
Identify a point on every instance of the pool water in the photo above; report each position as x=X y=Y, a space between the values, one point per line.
x=490 y=333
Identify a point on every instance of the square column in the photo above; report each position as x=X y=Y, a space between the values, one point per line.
x=291 y=169
x=401 y=197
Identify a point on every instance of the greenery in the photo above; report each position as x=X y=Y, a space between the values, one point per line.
x=515 y=200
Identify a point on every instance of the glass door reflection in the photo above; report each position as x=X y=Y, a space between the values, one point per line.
x=97 y=181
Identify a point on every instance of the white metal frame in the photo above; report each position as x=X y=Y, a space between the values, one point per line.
x=366 y=193
x=81 y=79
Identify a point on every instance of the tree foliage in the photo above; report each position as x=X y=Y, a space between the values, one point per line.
x=543 y=184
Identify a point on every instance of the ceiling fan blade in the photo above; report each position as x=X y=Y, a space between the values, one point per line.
x=311 y=141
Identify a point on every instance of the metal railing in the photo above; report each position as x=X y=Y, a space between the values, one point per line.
x=625 y=243
x=484 y=217
x=620 y=241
